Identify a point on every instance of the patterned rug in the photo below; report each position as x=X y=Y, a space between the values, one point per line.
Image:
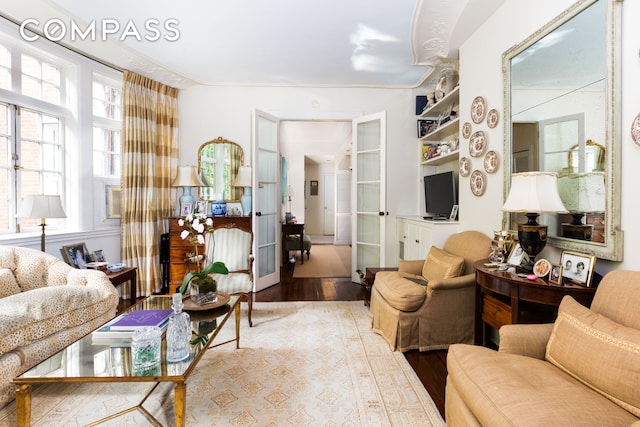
x=302 y=364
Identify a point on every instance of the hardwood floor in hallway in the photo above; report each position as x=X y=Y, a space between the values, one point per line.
x=430 y=366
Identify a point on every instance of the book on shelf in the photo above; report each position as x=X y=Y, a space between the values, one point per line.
x=139 y=319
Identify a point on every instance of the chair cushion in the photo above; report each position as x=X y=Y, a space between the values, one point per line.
x=610 y=353
x=441 y=265
x=8 y=284
x=401 y=293
x=233 y=282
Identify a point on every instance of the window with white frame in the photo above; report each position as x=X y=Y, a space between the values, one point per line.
x=31 y=135
x=107 y=124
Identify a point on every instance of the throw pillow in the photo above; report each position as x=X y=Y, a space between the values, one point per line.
x=441 y=265
x=597 y=351
x=8 y=284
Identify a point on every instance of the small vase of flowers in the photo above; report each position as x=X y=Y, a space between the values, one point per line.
x=201 y=286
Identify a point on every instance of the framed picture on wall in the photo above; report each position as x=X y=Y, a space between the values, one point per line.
x=313 y=188
x=112 y=201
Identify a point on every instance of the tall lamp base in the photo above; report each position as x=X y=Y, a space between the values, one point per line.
x=533 y=238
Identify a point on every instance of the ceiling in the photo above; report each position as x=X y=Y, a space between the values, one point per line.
x=334 y=43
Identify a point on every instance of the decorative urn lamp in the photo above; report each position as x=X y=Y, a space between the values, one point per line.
x=533 y=193
x=581 y=194
x=187 y=177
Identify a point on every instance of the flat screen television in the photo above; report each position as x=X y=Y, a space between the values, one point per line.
x=440 y=194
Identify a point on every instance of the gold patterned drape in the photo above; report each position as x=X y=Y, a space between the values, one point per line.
x=149 y=156
x=235 y=161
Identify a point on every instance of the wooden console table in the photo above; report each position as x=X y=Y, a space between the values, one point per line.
x=503 y=298
x=292 y=230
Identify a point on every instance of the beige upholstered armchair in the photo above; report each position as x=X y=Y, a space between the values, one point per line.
x=232 y=246
x=429 y=304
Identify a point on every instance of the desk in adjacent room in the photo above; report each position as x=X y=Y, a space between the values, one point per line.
x=292 y=230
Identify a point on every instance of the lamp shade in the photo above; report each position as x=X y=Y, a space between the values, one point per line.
x=243 y=177
x=41 y=206
x=534 y=192
x=582 y=192
x=288 y=192
x=187 y=177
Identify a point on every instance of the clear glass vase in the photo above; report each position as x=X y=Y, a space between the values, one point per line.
x=203 y=290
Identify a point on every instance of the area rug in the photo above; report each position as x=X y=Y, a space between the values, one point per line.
x=302 y=364
x=325 y=261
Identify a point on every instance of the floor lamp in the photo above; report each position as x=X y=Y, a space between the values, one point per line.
x=41 y=206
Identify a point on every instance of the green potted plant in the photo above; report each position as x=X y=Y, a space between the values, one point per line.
x=202 y=286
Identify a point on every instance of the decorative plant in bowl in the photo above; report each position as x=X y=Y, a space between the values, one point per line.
x=203 y=288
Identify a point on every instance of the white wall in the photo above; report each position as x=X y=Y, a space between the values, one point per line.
x=208 y=112
x=481 y=75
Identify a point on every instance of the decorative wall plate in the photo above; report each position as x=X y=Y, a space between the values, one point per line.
x=491 y=161
x=477 y=183
x=492 y=118
x=466 y=130
x=635 y=130
x=465 y=166
x=478 y=109
x=477 y=143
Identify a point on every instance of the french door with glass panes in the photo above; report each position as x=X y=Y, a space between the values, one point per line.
x=368 y=193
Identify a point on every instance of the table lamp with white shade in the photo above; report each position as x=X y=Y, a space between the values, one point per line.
x=288 y=192
x=243 y=179
x=581 y=194
x=187 y=177
x=41 y=206
x=533 y=193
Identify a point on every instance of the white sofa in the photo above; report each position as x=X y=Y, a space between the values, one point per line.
x=45 y=305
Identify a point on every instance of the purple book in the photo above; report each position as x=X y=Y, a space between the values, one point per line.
x=141 y=318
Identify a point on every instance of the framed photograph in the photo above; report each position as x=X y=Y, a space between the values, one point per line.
x=112 y=194
x=424 y=127
x=577 y=268
x=201 y=206
x=517 y=255
x=98 y=256
x=541 y=268
x=313 y=188
x=76 y=255
x=186 y=209
x=555 y=275
x=234 y=209
x=454 y=213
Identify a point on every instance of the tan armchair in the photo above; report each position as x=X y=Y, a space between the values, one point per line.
x=582 y=370
x=429 y=304
x=232 y=246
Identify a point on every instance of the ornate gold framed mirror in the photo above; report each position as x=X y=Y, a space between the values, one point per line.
x=218 y=164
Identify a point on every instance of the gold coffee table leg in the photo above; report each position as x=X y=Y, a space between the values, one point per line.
x=23 y=405
x=180 y=396
x=237 y=325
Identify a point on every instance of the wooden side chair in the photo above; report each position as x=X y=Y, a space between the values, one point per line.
x=232 y=246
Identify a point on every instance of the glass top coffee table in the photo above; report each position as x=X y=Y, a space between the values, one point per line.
x=89 y=361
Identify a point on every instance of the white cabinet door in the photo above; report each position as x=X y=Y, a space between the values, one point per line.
x=368 y=201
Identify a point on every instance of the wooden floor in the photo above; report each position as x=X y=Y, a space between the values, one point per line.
x=430 y=366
